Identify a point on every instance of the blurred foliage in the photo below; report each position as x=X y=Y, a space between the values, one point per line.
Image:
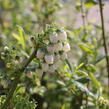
x=80 y=83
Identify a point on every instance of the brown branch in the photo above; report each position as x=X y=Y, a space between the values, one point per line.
x=104 y=39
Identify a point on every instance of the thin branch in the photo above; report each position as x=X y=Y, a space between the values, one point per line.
x=85 y=33
x=104 y=39
x=83 y=17
x=16 y=80
x=69 y=65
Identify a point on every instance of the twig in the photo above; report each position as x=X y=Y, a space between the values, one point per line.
x=85 y=33
x=83 y=17
x=69 y=65
x=104 y=40
x=16 y=80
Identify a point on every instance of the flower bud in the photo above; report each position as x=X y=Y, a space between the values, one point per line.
x=46 y=42
x=8 y=65
x=40 y=54
x=6 y=48
x=49 y=59
x=17 y=57
x=66 y=47
x=4 y=83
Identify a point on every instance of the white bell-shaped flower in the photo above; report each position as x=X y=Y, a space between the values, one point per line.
x=58 y=47
x=40 y=54
x=50 y=48
x=58 y=64
x=45 y=67
x=64 y=56
x=66 y=47
x=62 y=36
x=39 y=72
x=54 y=38
x=49 y=59
x=56 y=57
x=52 y=69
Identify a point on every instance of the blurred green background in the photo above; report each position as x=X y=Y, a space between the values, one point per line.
x=21 y=19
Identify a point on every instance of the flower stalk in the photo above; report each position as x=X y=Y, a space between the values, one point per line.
x=104 y=40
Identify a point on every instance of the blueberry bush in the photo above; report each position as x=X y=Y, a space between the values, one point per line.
x=48 y=60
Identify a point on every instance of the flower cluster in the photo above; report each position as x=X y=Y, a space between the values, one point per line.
x=103 y=102
x=55 y=51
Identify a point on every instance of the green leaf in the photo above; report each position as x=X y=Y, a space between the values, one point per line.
x=91 y=68
x=16 y=36
x=99 y=59
x=94 y=80
x=61 y=82
x=82 y=73
x=89 y=5
x=78 y=67
x=91 y=1
x=91 y=107
x=86 y=48
x=63 y=106
x=69 y=65
x=83 y=88
x=21 y=35
x=83 y=80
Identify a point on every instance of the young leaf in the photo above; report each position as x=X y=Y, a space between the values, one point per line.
x=21 y=35
x=83 y=88
x=86 y=48
x=99 y=59
x=95 y=81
